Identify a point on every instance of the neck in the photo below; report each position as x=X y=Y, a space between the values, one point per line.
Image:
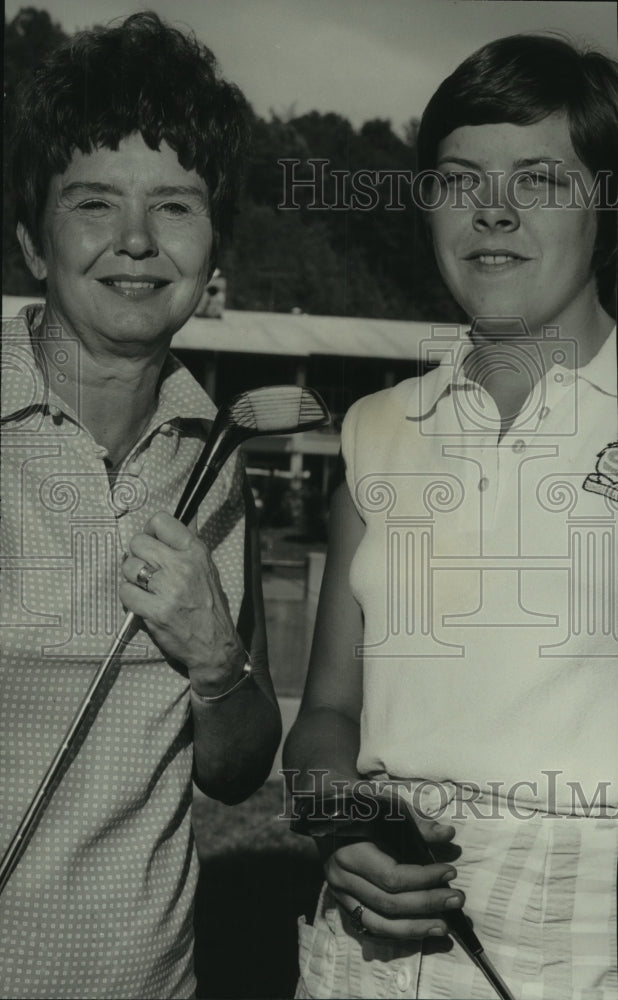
x=113 y=396
x=583 y=329
x=508 y=364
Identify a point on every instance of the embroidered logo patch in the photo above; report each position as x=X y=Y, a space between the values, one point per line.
x=605 y=479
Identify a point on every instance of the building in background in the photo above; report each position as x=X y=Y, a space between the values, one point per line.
x=342 y=358
x=212 y=302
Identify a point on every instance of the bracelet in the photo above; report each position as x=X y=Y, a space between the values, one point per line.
x=247 y=670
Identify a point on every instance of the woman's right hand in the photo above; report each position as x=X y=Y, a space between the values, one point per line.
x=402 y=901
x=399 y=900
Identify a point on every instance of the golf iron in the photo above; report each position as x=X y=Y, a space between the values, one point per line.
x=278 y=409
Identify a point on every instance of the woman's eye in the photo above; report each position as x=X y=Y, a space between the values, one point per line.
x=455 y=178
x=174 y=208
x=535 y=178
x=93 y=205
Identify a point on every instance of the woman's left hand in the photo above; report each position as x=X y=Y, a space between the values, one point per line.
x=184 y=608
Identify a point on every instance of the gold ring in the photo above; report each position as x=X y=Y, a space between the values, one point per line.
x=356 y=919
x=144 y=577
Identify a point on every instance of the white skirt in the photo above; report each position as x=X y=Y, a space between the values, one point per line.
x=541 y=893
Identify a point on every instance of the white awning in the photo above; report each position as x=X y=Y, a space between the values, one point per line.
x=290 y=334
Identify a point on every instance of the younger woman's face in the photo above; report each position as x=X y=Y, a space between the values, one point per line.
x=499 y=257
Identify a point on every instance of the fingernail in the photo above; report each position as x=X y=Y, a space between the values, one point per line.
x=449 y=875
x=452 y=902
x=436 y=932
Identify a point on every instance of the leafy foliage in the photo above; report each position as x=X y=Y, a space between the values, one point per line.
x=28 y=38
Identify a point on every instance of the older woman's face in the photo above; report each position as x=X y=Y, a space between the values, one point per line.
x=126 y=243
x=505 y=260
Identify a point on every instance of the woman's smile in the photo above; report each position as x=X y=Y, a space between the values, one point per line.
x=133 y=287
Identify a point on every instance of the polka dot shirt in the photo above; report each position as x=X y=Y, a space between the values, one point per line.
x=101 y=902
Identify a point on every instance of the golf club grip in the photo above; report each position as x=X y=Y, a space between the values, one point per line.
x=402 y=837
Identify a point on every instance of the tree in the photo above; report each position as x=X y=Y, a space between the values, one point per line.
x=343 y=261
x=28 y=38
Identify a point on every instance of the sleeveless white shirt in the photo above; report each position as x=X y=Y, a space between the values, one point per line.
x=487 y=577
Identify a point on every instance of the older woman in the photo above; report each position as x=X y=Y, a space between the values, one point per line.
x=126 y=157
x=465 y=648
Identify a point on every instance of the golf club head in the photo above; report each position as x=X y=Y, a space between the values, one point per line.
x=273 y=409
x=277 y=409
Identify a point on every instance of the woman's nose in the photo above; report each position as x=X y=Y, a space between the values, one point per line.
x=135 y=236
x=505 y=220
x=494 y=210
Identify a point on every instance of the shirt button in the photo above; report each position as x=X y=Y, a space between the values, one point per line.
x=100 y=451
x=167 y=429
x=403 y=980
x=483 y=484
x=135 y=466
x=519 y=446
x=55 y=411
x=544 y=412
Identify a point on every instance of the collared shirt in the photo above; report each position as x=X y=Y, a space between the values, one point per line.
x=487 y=578
x=100 y=904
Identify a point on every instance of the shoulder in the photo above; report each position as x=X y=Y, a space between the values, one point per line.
x=370 y=425
x=411 y=398
x=378 y=404
x=181 y=391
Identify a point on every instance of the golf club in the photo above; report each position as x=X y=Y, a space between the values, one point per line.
x=278 y=409
x=337 y=818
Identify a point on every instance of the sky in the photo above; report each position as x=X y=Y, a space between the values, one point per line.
x=360 y=58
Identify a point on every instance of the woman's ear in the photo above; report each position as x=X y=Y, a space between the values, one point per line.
x=33 y=258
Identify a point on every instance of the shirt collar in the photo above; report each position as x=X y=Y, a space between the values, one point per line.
x=24 y=387
x=601 y=369
x=449 y=375
x=181 y=396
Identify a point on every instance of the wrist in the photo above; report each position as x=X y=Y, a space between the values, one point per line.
x=214 y=673
x=339 y=811
x=217 y=689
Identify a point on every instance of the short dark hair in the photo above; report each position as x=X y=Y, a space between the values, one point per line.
x=109 y=82
x=522 y=79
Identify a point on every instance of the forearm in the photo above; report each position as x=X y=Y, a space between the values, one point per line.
x=322 y=739
x=235 y=739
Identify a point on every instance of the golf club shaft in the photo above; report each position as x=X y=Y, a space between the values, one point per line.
x=200 y=481
x=492 y=976
x=456 y=921
x=226 y=433
x=19 y=840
